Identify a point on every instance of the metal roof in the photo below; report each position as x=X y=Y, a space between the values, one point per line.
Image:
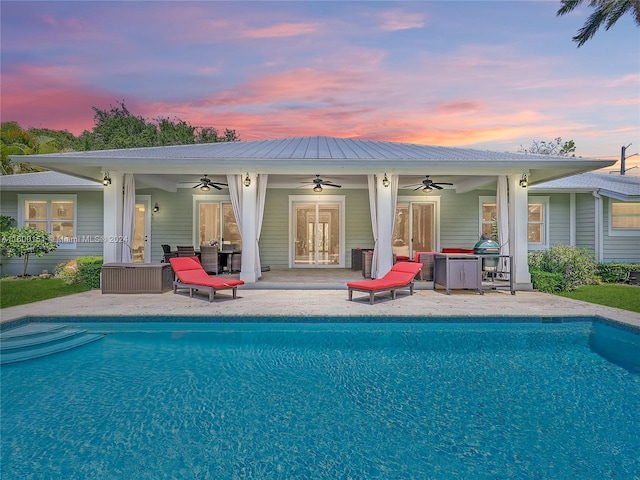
x=624 y=187
x=314 y=155
x=45 y=180
x=306 y=148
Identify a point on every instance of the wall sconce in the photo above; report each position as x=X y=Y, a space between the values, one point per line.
x=106 y=181
x=524 y=181
x=385 y=181
x=247 y=180
x=156 y=208
x=317 y=188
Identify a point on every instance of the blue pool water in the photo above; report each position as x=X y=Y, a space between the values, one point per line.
x=332 y=400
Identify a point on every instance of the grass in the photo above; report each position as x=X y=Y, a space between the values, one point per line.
x=19 y=291
x=626 y=297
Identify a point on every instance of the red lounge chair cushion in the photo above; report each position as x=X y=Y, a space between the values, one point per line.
x=400 y=275
x=402 y=258
x=189 y=271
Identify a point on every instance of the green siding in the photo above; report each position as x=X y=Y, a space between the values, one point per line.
x=89 y=224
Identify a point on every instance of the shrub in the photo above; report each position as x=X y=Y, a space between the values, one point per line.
x=548 y=282
x=575 y=265
x=82 y=270
x=89 y=271
x=616 y=272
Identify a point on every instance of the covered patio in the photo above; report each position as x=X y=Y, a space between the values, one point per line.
x=270 y=187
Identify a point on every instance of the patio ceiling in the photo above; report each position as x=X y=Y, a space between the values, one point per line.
x=291 y=161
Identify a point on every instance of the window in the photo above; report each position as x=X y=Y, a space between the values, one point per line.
x=214 y=226
x=624 y=218
x=55 y=215
x=537 y=222
x=625 y=215
x=535 y=227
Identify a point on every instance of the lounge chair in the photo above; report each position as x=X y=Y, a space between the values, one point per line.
x=400 y=276
x=191 y=275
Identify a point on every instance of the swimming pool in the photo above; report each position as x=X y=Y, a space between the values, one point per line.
x=329 y=400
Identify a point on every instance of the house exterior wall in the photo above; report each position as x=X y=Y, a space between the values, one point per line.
x=559 y=219
x=89 y=232
x=460 y=218
x=585 y=221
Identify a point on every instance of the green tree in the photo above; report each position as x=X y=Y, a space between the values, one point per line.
x=16 y=141
x=119 y=128
x=607 y=13
x=25 y=241
x=553 y=147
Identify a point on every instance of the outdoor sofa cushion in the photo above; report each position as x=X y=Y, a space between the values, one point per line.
x=400 y=276
x=458 y=250
x=191 y=275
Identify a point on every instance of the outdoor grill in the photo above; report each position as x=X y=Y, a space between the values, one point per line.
x=486 y=246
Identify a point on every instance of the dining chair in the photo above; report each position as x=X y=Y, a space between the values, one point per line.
x=186 y=251
x=209 y=259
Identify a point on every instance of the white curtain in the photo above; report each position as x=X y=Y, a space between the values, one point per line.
x=371 y=179
x=394 y=201
x=235 y=192
x=128 y=217
x=261 y=196
x=502 y=209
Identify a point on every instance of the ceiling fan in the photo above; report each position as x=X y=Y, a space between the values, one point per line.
x=206 y=184
x=428 y=185
x=318 y=183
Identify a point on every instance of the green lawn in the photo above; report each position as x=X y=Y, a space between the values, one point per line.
x=18 y=291
x=626 y=297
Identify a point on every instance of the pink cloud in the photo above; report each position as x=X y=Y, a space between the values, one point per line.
x=393 y=20
x=282 y=30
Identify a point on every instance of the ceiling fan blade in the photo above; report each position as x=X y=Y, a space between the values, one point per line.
x=419 y=187
x=436 y=186
x=215 y=186
x=196 y=186
x=329 y=184
x=219 y=183
x=443 y=183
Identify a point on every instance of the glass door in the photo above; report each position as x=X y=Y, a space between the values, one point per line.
x=141 y=243
x=414 y=229
x=316 y=234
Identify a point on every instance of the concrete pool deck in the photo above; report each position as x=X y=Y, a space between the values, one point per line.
x=321 y=301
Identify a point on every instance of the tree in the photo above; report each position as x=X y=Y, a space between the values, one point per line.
x=16 y=141
x=553 y=147
x=119 y=128
x=607 y=13
x=25 y=241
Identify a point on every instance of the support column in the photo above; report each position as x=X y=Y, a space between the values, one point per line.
x=518 y=233
x=112 y=218
x=248 y=271
x=384 y=251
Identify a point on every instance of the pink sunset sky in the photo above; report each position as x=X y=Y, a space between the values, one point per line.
x=493 y=75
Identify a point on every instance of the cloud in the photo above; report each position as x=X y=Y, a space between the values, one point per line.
x=394 y=20
x=282 y=30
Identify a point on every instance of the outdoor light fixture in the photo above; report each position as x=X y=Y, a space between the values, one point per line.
x=427 y=190
x=247 y=180
x=156 y=208
x=106 y=181
x=317 y=188
x=205 y=188
x=385 y=181
x=524 y=181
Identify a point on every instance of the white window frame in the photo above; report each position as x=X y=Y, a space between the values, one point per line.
x=544 y=200
x=620 y=232
x=72 y=244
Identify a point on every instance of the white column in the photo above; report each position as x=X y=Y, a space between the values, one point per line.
x=518 y=233
x=248 y=228
x=112 y=218
x=385 y=222
x=572 y=219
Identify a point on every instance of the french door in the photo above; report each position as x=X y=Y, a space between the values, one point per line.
x=414 y=229
x=317 y=232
